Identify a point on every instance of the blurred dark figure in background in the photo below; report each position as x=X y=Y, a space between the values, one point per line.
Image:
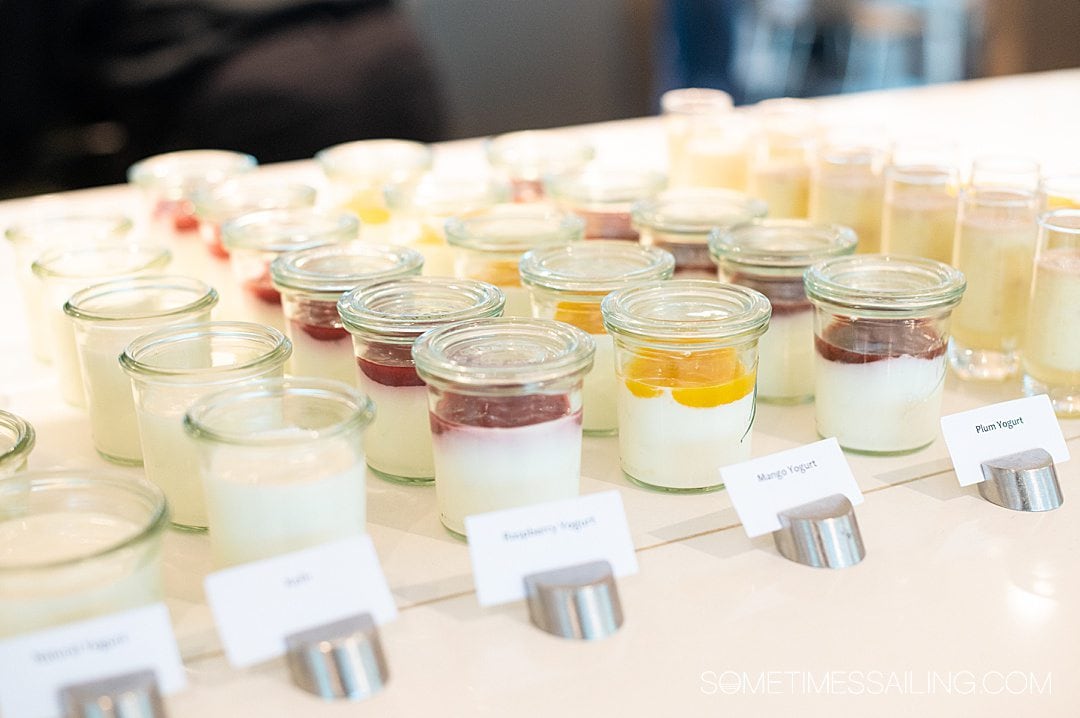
x=89 y=86
x=696 y=45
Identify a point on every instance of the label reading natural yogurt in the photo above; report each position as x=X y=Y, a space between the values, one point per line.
x=761 y=488
x=997 y=430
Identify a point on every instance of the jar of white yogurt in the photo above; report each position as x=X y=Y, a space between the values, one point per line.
x=384 y=320
x=686 y=363
x=1051 y=344
x=881 y=327
x=504 y=396
x=492 y=242
x=311 y=281
x=679 y=221
x=770 y=255
x=17 y=438
x=282 y=463
x=568 y=284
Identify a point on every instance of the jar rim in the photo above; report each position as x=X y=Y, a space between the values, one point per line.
x=696 y=211
x=337 y=268
x=780 y=243
x=445 y=194
x=502 y=353
x=184 y=167
x=91 y=480
x=117 y=225
x=22 y=431
x=689 y=313
x=143 y=257
x=250 y=192
x=534 y=153
x=696 y=101
x=385 y=160
x=604 y=185
x=205 y=297
x=200 y=416
x=1052 y=221
x=141 y=358
x=884 y=282
x=400 y=310
x=604 y=266
x=514 y=229
x=288 y=229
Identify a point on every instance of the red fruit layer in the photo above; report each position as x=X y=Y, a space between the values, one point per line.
x=319 y=332
x=319 y=320
x=263 y=289
x=390 y=374
x=212 y=240
x=180 y=211
x=608 y=225
x=503 y=412
x=851 y=340
x=786 y=294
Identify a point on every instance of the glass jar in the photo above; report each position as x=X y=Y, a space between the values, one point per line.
x=603 y=197
x=109 y=316
x=686 y=362
x=996 y=234
x=881 y=324
x=31 y=237
x=707 y=142
x=217 y=204
x=62 y=271
x=922 y=184
x=680 y=220
x=311 y=281
x=847 y=184
x=491 y=244
x=781 y=155
x=1051 y=344
x=254 y=240
x=568 y=284
x=358 y=171
x=77 y=544
x=17 y=440
x=771 y=256
x=282 y=465
x=170 y=370
x=167 y=183
x=421 y=208
x=527 y=157
x=505 y=402
x=384 y=320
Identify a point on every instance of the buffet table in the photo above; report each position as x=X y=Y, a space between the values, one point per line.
x=960 y=607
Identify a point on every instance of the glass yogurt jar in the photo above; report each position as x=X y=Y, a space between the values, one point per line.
x=358 y=171
x=254 y=240
x=686 y=362
x=282 y=464
x=680 y=220
x=108 y=317
x=881 y=326
x=527 y=157
x=170 y=370
x=384 y=320
x=492 y=243
x=168 y=182
x=505 y=402
x=77 y=544
x=603 y=197
x=770 y=255
x=568 y=283
x=217 y=204
x=311 y=281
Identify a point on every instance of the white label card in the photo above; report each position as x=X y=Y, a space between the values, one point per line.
x=257 y=605
x=1001 y=429
x=35 y=666
x=506 y=546
x=761 y=488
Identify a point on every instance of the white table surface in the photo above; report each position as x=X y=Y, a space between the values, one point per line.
x=960 y=608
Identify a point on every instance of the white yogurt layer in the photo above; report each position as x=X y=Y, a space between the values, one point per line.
x=398 y=441
x=328 y=359
x=479 y=469
x=786 y=358
x=666 y=444
x=883 y=406
x=599 y=412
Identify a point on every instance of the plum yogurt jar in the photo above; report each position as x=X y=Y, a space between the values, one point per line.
x=881 y=327
x=384 y=320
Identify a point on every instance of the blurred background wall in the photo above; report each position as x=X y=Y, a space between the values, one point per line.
x=80 y=100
